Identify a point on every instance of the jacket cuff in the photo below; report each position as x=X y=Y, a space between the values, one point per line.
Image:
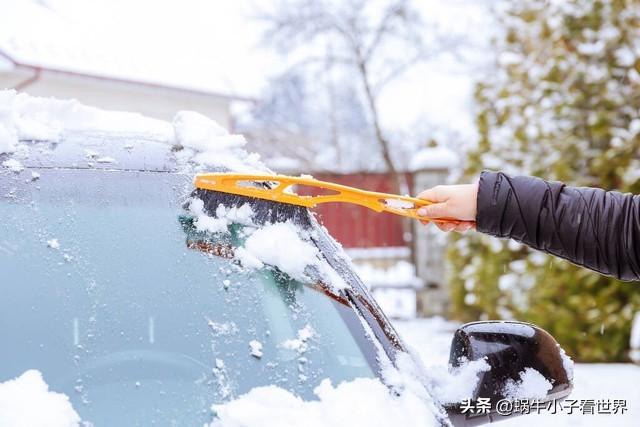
x=487 y=209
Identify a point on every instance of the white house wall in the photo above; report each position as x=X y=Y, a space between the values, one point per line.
x=158 y=102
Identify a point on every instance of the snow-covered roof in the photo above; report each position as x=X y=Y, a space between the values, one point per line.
x=27 y=400
x=8 y=62
x=35 y=35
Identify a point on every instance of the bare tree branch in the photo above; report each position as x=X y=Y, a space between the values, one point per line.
x=372 y=45
x=393 y=13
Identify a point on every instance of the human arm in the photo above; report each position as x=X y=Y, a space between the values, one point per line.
x=590 y=227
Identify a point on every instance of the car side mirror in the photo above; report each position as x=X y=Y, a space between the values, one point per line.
x=512 y=350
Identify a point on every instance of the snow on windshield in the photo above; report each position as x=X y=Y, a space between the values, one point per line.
x=299 y=344
x=283 y=245
x=223 y=218
x=280 y=245
x=198 y=140
x=361 y=402
x=27 y=401
x=202 y=144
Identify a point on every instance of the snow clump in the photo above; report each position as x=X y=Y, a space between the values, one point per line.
x=13 y=165
x=408 y=403
x=398 y=204
x=567 y=363
x=457 y=384
x=209 y=144
x=223 y=218
x=532 y=385
x=255 y=348
x=24 y=117
x=53 y=243
x=194 y=130
x=27 y=402
x=340 y=406
x=299 y=344
x=281 y=246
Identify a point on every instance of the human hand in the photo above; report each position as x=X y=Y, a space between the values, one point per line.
x=456 y=203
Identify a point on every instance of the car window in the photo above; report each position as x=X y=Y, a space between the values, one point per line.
x=109 y=292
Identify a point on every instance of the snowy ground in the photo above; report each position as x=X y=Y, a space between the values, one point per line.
x=431 y=339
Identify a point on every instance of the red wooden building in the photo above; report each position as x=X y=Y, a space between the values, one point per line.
x=356 y=226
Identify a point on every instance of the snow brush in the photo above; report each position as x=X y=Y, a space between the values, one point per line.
x=278 y=188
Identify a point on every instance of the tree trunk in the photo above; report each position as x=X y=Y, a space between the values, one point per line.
x=399 y=182
x=400 y=185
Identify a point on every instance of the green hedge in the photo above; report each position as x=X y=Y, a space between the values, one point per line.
x=564 y=104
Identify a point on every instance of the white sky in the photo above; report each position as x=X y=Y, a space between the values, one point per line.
x=207 y=44
x=215 y=45
x=441 y=91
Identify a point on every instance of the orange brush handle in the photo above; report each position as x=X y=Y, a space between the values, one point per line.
x=379 y=202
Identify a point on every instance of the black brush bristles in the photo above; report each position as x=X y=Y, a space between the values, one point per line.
x=265 y=211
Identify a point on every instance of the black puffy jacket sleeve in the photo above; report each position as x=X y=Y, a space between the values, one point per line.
x=590 y=227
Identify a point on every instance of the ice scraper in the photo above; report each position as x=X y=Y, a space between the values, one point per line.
x=281 y=189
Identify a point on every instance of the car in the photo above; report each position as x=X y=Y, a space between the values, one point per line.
x=140 y=298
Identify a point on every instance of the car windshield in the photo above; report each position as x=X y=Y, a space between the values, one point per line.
x=104 y=292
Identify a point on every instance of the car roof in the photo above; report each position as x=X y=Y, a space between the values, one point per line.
x=102 y=150
x=47 y=132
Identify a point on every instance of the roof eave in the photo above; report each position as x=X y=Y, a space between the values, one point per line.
x=20 y=64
